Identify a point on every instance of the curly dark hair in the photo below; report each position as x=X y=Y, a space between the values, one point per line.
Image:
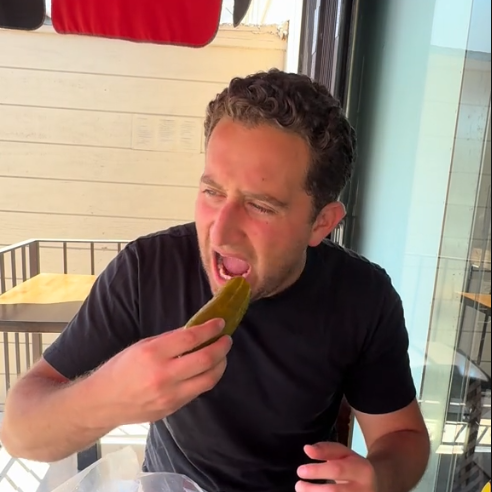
x=297 y=104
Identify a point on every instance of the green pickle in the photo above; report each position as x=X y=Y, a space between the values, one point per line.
x=229 y=304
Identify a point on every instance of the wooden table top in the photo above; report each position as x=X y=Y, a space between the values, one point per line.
x=44 y=303
x=482 y=299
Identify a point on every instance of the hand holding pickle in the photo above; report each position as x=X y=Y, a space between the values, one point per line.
x=157 y=376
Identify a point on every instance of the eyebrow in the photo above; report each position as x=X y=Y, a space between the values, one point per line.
x=262 y=197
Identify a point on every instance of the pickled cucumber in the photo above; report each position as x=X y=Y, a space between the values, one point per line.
x=229 y=304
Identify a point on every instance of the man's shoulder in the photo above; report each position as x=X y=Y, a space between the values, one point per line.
x=174 y=234
x=351 y=264
x=355 y=278
x=180 y=238
x=169 y=257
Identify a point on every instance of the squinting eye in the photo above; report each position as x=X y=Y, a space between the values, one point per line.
x=210 y=192
x=262 y=210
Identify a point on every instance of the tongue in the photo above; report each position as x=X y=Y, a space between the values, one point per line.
x=234 y=266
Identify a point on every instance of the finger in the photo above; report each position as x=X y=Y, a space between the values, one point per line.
x=346 y=470
x=191 y=388
x=196 y=363
x=181 y=341
x=327 y=451
x=309 y=487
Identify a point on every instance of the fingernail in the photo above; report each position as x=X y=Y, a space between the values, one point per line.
x=221 y=324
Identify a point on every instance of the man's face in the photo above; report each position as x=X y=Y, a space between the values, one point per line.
x=253 y=215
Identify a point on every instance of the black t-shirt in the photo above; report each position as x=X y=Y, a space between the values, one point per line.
x=339 y=330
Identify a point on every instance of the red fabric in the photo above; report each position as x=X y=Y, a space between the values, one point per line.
x=181 y=22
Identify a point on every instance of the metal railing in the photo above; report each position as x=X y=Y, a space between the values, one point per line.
x=22 y=261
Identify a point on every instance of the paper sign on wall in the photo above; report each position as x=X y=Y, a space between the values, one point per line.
x=167 y=134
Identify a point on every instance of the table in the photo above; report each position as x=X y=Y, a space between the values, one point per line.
x=46 y=303
x=482 y=300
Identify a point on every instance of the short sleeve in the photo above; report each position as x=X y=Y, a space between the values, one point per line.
x=381 y=382
x=106 y=324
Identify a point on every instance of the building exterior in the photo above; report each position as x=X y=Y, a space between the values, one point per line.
x=90 y=145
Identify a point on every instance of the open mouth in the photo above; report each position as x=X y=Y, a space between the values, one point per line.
x=229 y=267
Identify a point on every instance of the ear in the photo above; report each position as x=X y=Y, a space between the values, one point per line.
x=327 y=220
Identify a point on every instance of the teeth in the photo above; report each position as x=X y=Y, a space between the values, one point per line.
x=222 y=271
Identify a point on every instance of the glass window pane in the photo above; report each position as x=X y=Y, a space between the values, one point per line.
x=420 y=99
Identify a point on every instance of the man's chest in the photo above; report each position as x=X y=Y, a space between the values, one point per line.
x=277 y=395
x=281 y=390
x=283 y=369
x=288 y=359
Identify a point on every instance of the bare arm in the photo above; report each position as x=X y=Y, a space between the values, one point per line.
x=398 y=447
x=48 y=418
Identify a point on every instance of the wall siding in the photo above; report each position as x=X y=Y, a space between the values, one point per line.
x=103 y=139
x=108 y=134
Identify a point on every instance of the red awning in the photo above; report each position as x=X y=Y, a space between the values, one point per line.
x=191 y=23
x=181 y=22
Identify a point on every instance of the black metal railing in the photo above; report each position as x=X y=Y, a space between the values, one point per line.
x=23 y=261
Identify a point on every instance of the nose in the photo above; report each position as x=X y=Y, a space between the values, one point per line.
x=227 y=228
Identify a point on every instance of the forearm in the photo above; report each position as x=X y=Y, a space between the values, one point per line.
x=400 y=460
x=48 y=421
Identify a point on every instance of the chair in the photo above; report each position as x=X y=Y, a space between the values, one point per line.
x=343 y=426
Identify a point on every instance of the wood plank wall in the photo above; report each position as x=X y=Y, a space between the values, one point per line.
x=102 y=139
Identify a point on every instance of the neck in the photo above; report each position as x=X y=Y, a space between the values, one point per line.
x=294 y=275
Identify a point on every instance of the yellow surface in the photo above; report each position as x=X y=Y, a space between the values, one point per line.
x=483 y=299
x=487 y=488
x=50 y=288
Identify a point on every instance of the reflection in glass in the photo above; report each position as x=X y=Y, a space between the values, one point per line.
x=462 y=304
x=419 y=96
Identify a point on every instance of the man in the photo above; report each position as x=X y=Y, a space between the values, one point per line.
x=324 y=323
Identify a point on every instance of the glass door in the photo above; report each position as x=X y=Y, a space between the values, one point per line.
x=464 y=454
